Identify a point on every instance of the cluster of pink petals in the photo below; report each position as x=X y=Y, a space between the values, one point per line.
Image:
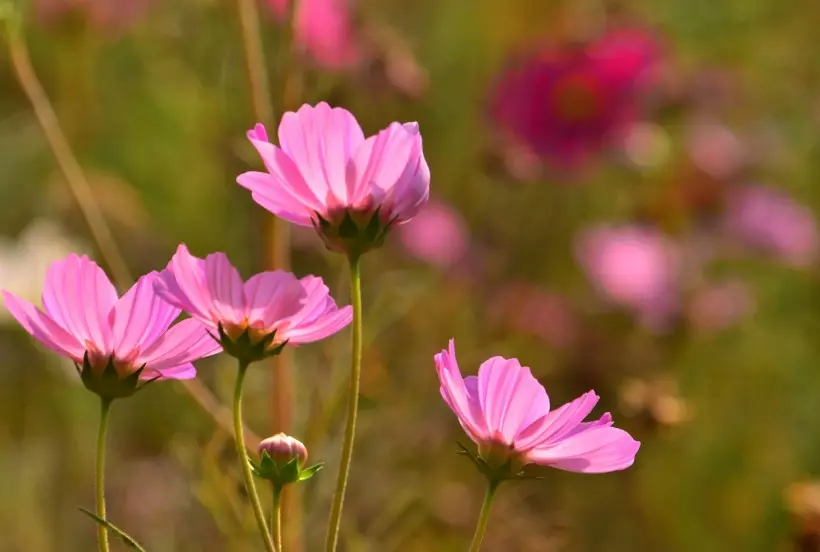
x=770 y=220
x=438 y=235
x=324 y=165
x=505 y=405
x=633 y=266
x=566 y=103
x=323 y=29
x=83 y=314
x=211 y=291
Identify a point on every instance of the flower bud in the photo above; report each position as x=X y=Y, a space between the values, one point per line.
x=283 y=448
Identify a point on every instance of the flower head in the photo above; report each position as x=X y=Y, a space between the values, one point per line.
x=632 y=266
x=282 y=461
x=255 y=318
x=566 y=103
x=323 y=29
x=326 y=174
x=771 y=221
x=506 y=412
x=119 y=341
x=283 y=448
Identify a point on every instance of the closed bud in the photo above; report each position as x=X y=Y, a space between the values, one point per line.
x=282 y=459
x=283 y=448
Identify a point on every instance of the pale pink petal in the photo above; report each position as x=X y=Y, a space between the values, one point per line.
x=272 y=297
x=321 y=140
x=183 y=285
x=276 y=198
x=184 y=342
x=557 y=423
x=314 y=301
x=320 y=328
x=455 y=394
x=507 y=392
x=597 y=450
x=389 y=170
x=43 y=328
x=79 y=297
x=141 y=316
x=182 y=372
x=225 y=288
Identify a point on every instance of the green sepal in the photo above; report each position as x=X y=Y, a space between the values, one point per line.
x=307 y=473
x=107 y=383
x=127 y=539
x=282 y=474
x=352 y=233
x=245 y=350
x=495 y=475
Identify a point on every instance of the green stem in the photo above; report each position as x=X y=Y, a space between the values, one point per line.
x=352 y=407
x=483 y=517
x=276 y=517
x=102 y=532
x=243 y=459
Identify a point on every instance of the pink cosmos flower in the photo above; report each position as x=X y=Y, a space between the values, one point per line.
x=326 y=174
x=566 y=103
x=437 y=235
x=506 y=412
x=323 y=29
x=770 y=220
x=273 y=307
x=634 y=267
x=83 y=316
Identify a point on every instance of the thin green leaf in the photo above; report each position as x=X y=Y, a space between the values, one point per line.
x=129 y=541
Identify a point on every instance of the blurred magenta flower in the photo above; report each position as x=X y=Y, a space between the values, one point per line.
x=633 y=266
x=437 y=235
x=271 y=308
x=720 y=305
x=327 y=175
x=768 y=219
x=84 y=320
x=324 y=30
x=566 y=103
x=506 y=412
x=103 y=14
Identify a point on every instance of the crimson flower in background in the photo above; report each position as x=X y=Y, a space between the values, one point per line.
x=255 y=318
x=566 y=103
x=634 y=267
x=326 y=174
x=769 y=220
x=323 y=29
x=506 y=412
x=437 y=235
x=119 y=341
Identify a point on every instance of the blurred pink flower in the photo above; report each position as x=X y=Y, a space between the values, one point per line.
x=327 y=175
x=527 y=309
x=323 y=30
x=83 y=316
x=103 y=14
x=768 y=219
x=719 y=306
x=273 y=305
x=438 y=235
x=715 y=149
x=506 y=412
x=633 y=266
x=567 y=103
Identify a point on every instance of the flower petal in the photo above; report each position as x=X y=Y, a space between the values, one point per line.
x=140 y=316
x=389 y=169
x=183 y=285
x=272 y=297
x=455 y=394
x=321 y=140
x=599 y=449
x=182 y=372
x=184 y=342
x=226 y=288
x=277 y=199
x=79 y=297
x=321 y=327
x=557 y=423
x=43 y=328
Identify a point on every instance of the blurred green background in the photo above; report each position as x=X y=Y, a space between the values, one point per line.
x=154 y=99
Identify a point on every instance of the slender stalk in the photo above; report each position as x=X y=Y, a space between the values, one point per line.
x=352 y=407
x=483 y=517
x=81 y=190
x=102 y=532
x=250 y=486
x=276 y=518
